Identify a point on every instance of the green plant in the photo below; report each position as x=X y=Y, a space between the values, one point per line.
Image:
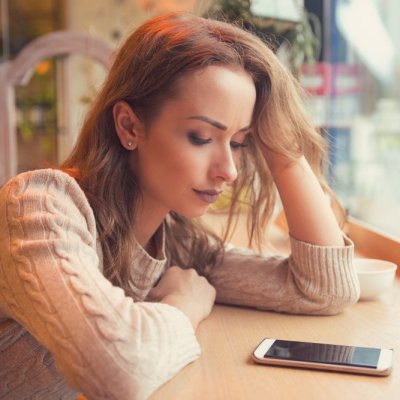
x=36 y=103
x=301 y=37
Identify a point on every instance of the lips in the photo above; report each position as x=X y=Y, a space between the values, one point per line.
x=208 y=196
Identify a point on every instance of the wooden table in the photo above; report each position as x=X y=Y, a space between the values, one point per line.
x=225 y=369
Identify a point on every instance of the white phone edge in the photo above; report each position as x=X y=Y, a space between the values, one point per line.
x=383 y=368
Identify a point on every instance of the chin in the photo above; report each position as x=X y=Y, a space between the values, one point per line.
x=194 y=213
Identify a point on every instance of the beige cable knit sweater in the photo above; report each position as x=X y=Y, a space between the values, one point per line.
x=65 y=329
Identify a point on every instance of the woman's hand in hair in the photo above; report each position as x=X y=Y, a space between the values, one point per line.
x=187 y=291
x=277 y=163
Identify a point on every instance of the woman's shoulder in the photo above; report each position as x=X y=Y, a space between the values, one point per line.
x=51 y=187
x=45 y=181
x=45 y=177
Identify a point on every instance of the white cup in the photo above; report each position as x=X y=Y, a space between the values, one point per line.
x=375 y=276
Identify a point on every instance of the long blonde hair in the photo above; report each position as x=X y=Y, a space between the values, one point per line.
x=144 y=74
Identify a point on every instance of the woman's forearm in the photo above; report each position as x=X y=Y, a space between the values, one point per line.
x=309 y=215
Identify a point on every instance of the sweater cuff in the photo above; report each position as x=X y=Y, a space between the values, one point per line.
x=328 y=269
x=182 y=335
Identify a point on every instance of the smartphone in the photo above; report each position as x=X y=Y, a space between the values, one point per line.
x=333 y=357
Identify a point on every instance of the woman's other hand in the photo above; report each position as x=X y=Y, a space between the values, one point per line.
x=187 y=291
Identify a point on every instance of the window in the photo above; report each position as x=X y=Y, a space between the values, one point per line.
x=355 y=88
x=37 y=141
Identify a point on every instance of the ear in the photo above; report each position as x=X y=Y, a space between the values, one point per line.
x=128 y=126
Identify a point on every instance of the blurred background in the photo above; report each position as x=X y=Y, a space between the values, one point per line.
x=346 y=54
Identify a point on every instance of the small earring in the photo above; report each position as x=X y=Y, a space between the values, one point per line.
x=130 y=144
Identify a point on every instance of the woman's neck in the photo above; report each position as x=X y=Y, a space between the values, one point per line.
x=147 y=222
x=145 y=237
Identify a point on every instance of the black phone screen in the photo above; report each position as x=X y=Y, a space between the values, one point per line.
x=324 y=353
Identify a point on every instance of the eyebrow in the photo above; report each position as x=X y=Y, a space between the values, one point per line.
x=214 y=123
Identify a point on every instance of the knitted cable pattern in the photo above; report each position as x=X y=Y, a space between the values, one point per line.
x=35 y=289
x=51 y=283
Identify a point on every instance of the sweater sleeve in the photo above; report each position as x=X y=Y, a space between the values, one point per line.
x=312 y=280
x=105 y=344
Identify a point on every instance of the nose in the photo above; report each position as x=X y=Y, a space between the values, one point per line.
x=224 y=166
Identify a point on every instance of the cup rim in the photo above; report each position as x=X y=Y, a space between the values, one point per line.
x=385 y=266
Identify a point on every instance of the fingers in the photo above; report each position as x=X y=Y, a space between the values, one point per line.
x=175 y=280
x=186 y=290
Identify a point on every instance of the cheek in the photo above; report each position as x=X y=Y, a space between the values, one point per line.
x=237 y=155
x=171 y=165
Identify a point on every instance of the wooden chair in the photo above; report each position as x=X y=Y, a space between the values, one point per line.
x=18 y=72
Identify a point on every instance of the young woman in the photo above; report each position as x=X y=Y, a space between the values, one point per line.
x=104 y=275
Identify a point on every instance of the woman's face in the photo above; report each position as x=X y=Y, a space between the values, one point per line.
x=190 y=151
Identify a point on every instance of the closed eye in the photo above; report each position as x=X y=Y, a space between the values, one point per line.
x=238 y=145
x=198 y=141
